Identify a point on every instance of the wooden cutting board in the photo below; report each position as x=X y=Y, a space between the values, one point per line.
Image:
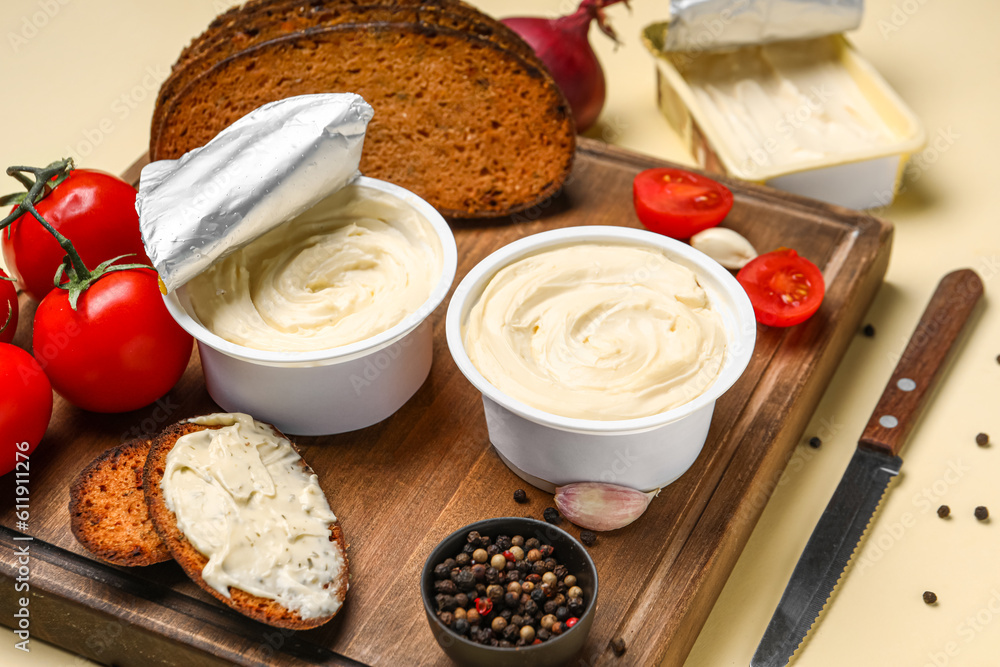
x=402 y=485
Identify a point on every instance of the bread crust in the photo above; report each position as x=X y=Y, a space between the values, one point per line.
x=193 y=562
x=107 y=509
x=257 y=22
x=522 y=145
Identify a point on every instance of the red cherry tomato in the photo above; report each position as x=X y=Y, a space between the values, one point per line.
x=25 y=406
x=119 y=350
x=784 y=289
x=94 y=210
x=679 y=204
x=8 y=309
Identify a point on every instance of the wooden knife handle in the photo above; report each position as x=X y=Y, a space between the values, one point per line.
x=922 y=361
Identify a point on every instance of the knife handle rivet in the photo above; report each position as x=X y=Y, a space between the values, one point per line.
x=888 y=421
x=906 y=384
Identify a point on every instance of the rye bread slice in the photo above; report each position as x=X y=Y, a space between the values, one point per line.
x=469 y=126
x=193 y=562
x=270 y=20
x=107 y=508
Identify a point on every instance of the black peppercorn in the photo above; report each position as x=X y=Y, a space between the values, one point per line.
x=560 y=571
x=618 y=646
x=513 y=575
x=550 y=564
x=550 y=607
x=461 y=626
x=463 y=559
x=517 y=620
x=944 y=511
x=451 y=563
x=523 y=566
x=505 y=644
x=480 y=590
x=484 y=541
x=543 y=634
x=446 y=586
x=479 y=572
x=469 y=548
x=532 y=543
x=492 y=575
x=446 y=617
x=815 y=442
x=473 y=537
x=982 y=513
x=465 y=580
x=562 y=613
x=575 y=607
x=511 y=633
x=588 y=537
x=930 y=597
x=495 y=592
x=530 y=608
x=868 y=331
x=982 y=439
x=538 y=596
x=503 y=543
x=492 y=550
x=462 y=599
x=534 y=578
x=445 y=602
x=511 y=599
x=551 y=514
x=520 y=496
x=484 y=636
x=539 y=568
x=441 y=572
x=546 y=550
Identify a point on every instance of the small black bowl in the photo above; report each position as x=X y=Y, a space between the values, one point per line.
x=556 y=651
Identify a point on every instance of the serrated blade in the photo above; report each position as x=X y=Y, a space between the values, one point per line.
x=827 y=554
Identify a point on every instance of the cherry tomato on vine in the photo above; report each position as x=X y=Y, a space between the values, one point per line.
x=678 y=203
x=783 y=287
x=119 y=350
x=8 y=309
x=25 y=405
x=95 y=210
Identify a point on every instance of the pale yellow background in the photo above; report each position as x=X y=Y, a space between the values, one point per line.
x=83 y=84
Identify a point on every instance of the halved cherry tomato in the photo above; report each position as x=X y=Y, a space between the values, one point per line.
x=783 y=287
x=679 y=204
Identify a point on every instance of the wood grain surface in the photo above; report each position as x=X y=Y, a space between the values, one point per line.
x=402 y=485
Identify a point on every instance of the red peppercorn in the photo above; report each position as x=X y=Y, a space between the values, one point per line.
x=570 y=622
x=484 y=606
x=537 y=641
x=509 y=556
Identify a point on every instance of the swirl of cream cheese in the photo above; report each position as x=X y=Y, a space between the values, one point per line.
x=598 y=331
x=352 y=267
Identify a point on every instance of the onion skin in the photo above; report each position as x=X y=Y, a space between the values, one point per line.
x=599 y=506
x=563 y=46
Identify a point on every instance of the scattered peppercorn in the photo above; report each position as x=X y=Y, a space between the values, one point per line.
x=930 y=597
x=868 y=331
x=982 y=513
x=618 y=646
x=520 y=496
x=551 y=514
x=588 y=537
x=982 y=439
x=944 y=511
x=815 y=442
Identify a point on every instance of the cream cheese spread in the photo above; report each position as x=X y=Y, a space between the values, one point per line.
x=351 y=267
x=597 y=331
x=243 y=500
x=784 y=103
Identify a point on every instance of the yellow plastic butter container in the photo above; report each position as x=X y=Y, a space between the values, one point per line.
x=868 y=177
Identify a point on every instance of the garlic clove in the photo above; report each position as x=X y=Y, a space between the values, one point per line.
x=725 y=246
x=599 y=506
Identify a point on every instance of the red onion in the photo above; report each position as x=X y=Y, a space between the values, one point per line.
x=563 y=46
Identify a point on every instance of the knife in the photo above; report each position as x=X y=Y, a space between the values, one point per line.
x=874 y=465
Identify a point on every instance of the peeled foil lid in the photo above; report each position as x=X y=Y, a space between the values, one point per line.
x=266 y=168
x=706 y=25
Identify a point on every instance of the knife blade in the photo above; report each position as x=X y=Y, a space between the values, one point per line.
x=875 y=463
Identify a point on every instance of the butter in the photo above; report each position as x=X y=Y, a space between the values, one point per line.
x=348 y=269
x=599 y=331
x=242 y=499
x=783 y=104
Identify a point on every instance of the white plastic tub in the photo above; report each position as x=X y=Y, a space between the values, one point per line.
x=548 y=450
x=328 y=391
x=865 y=178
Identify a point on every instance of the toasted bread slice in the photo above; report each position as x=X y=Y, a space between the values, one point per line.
x=471 y=127
x=193 y=562
x=264 y=21
x=107 y=508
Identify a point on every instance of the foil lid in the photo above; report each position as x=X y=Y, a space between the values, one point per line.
x=266 y=168
x=704 y=25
